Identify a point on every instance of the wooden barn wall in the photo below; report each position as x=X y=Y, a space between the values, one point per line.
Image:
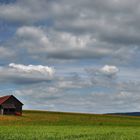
x=14 y=101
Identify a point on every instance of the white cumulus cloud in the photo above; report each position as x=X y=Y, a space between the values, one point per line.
x=33 y=69
x=109 y=70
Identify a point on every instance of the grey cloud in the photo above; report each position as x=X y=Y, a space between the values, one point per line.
x=6 y=52
x=81 y=30
x=59 y=45
x=109 y=21
x=78 y=54
x=67 y=94
x=24 y=11
x=56 y=98
x=100 y=79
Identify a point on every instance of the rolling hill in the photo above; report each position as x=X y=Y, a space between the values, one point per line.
x=43 y=125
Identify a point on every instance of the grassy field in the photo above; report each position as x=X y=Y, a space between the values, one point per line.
x=39 y=125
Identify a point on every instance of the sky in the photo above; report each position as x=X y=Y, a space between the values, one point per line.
x=71 y=56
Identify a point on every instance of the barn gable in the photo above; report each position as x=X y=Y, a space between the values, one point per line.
x=10 y=105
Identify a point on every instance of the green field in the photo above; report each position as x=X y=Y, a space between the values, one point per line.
x=39 y=125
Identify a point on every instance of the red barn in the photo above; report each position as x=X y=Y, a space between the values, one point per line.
x=10 y=105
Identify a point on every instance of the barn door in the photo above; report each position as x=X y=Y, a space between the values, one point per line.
x=1 y=111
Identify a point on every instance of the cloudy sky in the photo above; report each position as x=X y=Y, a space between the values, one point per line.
x=67 y=55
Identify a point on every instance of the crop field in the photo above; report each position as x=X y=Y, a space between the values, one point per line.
x=41 y=125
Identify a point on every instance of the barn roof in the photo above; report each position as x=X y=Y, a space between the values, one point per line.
x=5 y=98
